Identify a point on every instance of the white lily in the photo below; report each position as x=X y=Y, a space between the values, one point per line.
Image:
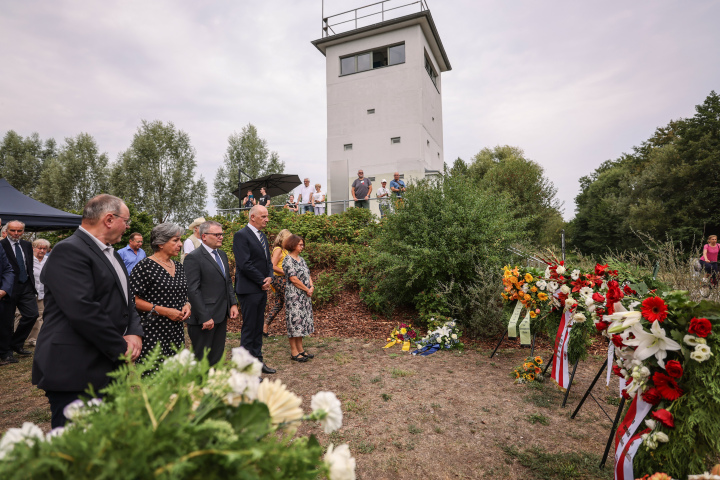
x=654 y=343
x=623 y=320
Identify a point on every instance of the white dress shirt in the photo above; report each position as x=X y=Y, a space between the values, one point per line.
x=12 y=244
x=110 y=254
x=258 y=234
x=37 y=268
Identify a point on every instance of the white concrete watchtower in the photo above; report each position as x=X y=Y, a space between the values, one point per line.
x=384 y=95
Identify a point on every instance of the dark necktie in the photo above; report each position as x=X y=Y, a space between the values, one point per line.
x=22 y=277
x=264 y=244
x=219 y=262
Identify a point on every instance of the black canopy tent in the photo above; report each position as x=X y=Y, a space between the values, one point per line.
x=35 y=215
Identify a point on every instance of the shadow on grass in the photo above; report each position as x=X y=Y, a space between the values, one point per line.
x=559 y=466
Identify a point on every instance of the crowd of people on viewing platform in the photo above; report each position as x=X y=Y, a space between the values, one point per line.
x=87 y=307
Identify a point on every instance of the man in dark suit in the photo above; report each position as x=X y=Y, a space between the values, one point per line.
x=90 y=316
x=24 y=296
x=253 y=270
x=211 y=295
x=7 y=279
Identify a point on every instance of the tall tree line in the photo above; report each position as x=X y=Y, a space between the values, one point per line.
x=667 y=188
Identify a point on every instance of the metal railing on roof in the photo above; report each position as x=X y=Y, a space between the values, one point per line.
x=352 y=16
x=346 y=204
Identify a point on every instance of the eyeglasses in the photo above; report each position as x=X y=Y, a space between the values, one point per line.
x=217 y=235
x=126 y=220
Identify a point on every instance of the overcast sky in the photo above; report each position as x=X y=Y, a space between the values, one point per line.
x=571 y=83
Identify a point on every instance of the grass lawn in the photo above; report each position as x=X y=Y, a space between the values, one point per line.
x=449 y=415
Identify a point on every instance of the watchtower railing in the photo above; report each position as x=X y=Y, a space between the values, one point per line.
x=362 y=13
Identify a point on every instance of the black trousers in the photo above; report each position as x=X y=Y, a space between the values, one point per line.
x=211 y=340
x=25 y=301
x=58 y=401
x=252 y=306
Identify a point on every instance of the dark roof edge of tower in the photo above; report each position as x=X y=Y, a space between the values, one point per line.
x=412 y=19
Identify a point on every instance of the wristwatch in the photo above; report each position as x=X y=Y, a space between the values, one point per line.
x=153 y=311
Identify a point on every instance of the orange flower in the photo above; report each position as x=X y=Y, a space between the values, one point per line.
x=537 y=369
x=542 y=296
x=533 y=314
x=533 y=289
x=528 y=277
x=527 y=297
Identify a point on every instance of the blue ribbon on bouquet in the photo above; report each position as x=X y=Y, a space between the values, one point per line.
x=427 y=350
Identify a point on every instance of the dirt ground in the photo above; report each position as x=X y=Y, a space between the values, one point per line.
x=448 y=415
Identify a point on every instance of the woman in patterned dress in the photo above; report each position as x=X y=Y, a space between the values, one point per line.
x=298 y=302
x=160 y=288
x=278 y=279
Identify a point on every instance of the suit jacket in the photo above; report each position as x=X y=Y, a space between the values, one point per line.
x=252 y=262
x=26 y=247
x=209 y=289
x=86 y=316
x=7 y=274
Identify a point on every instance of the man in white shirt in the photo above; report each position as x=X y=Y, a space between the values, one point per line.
x=305 y=197
x=193 y=241
x=383 y=195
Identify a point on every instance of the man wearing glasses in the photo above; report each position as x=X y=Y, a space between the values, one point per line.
x=40 y=249
x=211 y=295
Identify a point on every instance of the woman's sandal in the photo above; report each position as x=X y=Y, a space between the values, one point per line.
x=299 y=358
x=306 y=355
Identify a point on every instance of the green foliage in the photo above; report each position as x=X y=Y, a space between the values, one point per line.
x=157 y=174
x=646 y=190
x=695 y=441
x=173 y=424
x=327 y=285
x=437 y=234
x=76 y=175
x=246 y=151
x=558 y=465
x=22 y=160
x=431 y=305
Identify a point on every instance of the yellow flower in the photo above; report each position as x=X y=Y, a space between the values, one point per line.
x=531 y=377
x=528 y=277
x=403 y=331
x=542 y=296
x=539 y=360
x=533 y=289
x=533 y=314
x=284 y=405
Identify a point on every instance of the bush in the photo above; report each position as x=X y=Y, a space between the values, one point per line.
x=327 y=285
x=440 y=231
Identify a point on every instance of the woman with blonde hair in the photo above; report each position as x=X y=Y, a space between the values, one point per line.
x=318 y=200
x=278 y=282
x=709 y=259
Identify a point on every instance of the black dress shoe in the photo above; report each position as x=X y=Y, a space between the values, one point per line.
x=268 y=370
x=306 y=354
x=22 y=352
x=8 y=359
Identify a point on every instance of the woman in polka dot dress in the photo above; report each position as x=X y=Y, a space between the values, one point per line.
x=160 y=290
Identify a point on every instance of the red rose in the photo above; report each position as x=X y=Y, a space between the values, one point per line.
x=628 y=290
x=616 y=370
x=654 y=309
x=664 y=417
x=562 y=297
x=700 y=327
x=617 y=340
x=674 y=369
x=625 y=394
x=613 y=294
x=598 y=298
x=600 y=326
x=652 y=396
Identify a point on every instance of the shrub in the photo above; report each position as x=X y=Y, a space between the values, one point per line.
x=327 y=285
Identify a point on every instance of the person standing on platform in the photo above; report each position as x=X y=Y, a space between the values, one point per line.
x=193 y=241
x=24 y=296
x=7 y=279
x=133 y=253
x=211 y=295
x=397 y=186
x=361 y=190
x=253 y=276
x=383 y=195
x=264 y=199
x=90 y=318
x=305 y=197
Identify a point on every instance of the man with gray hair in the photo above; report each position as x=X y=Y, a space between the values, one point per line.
x=40 y=248
x=211 y=295
x=19 y=253
x=305 y=197
x=90 y=317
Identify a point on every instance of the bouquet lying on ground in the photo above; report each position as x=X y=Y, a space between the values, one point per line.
x=445 y=335
x=529 y=371
x=401 y=334
x=186 y=421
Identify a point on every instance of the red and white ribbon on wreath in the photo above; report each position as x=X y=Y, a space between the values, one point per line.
x=626 y=443
x=560 y=372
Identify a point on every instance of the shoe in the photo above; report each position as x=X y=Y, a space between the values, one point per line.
x=8 y=359
x=307 y=355
x=265 y=334
x=268 y=370
x=22 y=352
x=299 y=358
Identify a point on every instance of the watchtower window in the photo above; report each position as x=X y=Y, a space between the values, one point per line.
x=376 y=58
x=430 y=70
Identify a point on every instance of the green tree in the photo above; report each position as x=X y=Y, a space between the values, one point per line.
x=78 y=173
x=246 y=151
x=504 y=170
x=157 y=174
x=22 y=159
x=459 y=168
